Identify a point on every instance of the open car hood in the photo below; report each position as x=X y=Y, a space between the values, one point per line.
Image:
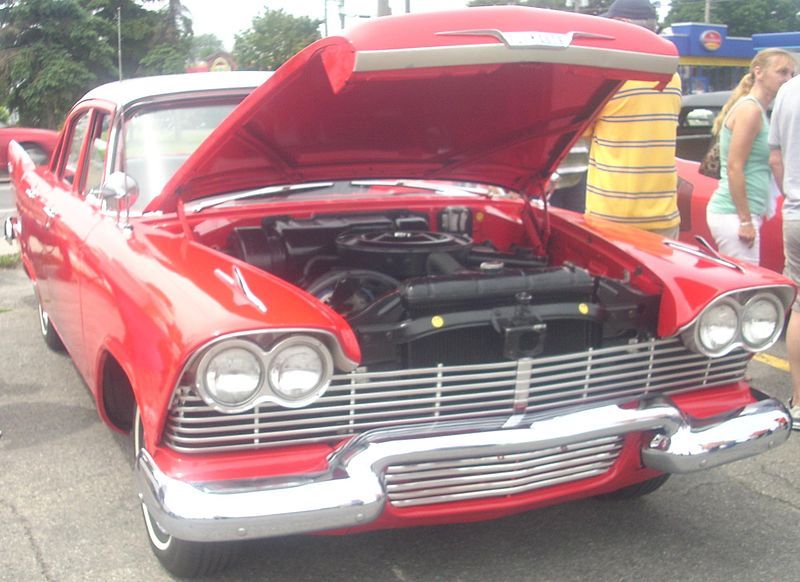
x=491 y=95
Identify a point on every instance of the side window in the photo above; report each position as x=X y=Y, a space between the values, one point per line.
x=96 y=156
x=74 y=147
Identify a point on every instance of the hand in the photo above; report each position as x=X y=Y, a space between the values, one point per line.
x=747 y=234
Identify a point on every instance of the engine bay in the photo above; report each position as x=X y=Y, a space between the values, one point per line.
x=419 y=291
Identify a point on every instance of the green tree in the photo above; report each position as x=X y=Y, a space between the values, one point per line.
x=273 y=38
x=743 y=18
x=172 y=41
x=51 y=51
x=138 y=28
x=204 y=45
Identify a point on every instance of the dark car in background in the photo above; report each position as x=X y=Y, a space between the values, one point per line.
x=695 y=121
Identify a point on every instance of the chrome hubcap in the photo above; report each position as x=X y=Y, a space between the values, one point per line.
x=44 y=320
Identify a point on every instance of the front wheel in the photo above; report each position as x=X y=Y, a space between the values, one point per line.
x=49 y=333
x=183 y=558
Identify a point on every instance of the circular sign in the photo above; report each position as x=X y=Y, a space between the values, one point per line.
x=711 y=40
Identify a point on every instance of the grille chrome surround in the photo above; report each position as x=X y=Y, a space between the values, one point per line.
x=364 y=400
x=462 y=479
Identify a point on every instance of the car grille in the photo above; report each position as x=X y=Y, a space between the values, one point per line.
x=474 y=478
x=363 y=400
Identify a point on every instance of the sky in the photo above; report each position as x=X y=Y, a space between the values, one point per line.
x=226 y=18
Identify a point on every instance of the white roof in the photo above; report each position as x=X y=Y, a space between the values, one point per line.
x=127 y=91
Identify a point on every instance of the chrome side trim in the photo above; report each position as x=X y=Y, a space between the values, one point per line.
x=352 y=491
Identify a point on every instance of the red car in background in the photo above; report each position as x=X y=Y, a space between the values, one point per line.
x=39 y=143
x=694 y=196
x=309 y=324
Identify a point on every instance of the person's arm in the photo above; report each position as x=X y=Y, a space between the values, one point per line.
x=745 y=125
x=776 y=163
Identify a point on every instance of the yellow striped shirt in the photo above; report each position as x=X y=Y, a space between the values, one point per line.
x=632 y=177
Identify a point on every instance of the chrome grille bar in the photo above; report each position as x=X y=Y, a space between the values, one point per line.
x=461 y=479
x=364 y=400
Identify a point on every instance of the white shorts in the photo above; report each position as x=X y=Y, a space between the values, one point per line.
x=725 y=230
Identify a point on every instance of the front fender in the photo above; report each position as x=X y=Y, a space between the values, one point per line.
x=687 y=281
x=155 y=298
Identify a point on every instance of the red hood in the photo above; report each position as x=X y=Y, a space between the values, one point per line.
x=492 y=95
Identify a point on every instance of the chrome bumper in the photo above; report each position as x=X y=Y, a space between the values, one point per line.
x=351 y=492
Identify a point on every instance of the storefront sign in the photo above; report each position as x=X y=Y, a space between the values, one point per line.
x=711 y=40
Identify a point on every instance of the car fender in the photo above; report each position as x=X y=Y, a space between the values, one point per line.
x=163 y=297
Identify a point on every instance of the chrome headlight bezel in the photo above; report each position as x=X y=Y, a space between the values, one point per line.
x=209 y=357
x=267 y=359
x=277 y=358
x=778 y=325
x=739 y=301
x=728 y=345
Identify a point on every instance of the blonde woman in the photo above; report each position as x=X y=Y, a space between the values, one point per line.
x=741 y=200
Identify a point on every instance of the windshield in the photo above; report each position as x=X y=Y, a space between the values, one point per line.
x=158 y=141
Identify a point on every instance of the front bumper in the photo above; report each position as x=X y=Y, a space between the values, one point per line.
x=352 y=493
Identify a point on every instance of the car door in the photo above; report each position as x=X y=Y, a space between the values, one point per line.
x=72 y=215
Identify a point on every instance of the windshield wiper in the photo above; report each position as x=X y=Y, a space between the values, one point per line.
x=284 y=190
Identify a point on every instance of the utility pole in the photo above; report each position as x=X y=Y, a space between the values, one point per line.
x=707 y=16
x=119 y=41
x=408 y=6
x=383 y=8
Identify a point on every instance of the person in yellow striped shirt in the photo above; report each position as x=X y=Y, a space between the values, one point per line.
x=632 y=177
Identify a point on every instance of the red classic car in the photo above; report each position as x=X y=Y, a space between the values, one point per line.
x=350 y=308
x=39 y=143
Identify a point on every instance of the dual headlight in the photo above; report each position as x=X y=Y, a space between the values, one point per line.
x=236 y=374
x=727 y=324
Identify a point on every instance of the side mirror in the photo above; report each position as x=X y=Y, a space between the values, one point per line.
x=118 y=186
x=118 y=193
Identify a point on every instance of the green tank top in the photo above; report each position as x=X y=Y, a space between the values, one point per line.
x=756 y=171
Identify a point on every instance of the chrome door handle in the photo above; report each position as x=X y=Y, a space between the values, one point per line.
x=49 y=212
x=30 y=193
